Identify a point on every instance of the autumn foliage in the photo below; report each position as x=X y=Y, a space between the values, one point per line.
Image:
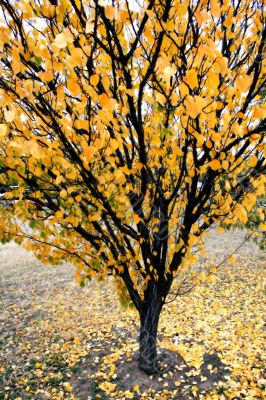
x=129 y=130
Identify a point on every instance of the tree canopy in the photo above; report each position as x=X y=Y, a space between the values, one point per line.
x=130 y=128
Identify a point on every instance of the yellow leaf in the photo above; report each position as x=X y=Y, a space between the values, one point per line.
x=216 y=136
x=241 y=213
x=160 y=97
x=170 y=26
x=253 y=161
x=110 y=12
x=194 y=105
x=112 y=370
x=113 y=144
x=128 y=394
x=8 y=195
x=10 y=116
x=210 y=278
x=47 y=75
x=169 y=71
x=249 y=201
x=81 y=124
x=130 y=92
x=202 y=17
x=215 y=164
x=257 y=113
x=60 y=41
x=192 y=78
x=3 y=130
x=209 y=144
x=38 y=371
x=222 y=64
x=63 y=193
x=243 y=83
x=123 y=15
x=108 y=104
x=136 y=388
x=225 y=164
x=94 y=79
x=262 y=226
x=212 y=80
x=202 y=276
x=136 y=219
x=89 y=153
x=183 y=89
x=73 y=87
x=78 y=277
x=76 y=58
x=108 y=387
x=182 y=8
x=177 y=151
x=192 y=240
x=58 y=66
x=68 y=387
x=89 y=26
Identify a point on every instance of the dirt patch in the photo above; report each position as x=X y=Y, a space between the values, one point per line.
x=179 y=375
x=83 y=386
x=179 y=378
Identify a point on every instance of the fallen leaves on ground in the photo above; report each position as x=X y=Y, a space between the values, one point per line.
x=62 y=342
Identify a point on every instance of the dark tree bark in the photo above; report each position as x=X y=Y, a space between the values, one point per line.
x=149 y=321
x=148 y=359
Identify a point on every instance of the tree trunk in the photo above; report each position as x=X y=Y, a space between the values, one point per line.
x=149 y=320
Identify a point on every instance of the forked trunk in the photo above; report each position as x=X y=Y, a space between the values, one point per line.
x=149 y=320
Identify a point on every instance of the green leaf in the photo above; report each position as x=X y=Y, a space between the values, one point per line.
x=38 y=60
x=166 y=131
x=33 y=224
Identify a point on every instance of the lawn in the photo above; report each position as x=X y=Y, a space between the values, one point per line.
x=59 y=341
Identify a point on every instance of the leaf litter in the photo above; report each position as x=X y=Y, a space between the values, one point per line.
x=59 y=341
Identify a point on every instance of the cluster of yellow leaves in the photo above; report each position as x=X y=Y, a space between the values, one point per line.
x=209 y=93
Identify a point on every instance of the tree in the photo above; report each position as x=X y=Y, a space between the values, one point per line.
x=130 y=128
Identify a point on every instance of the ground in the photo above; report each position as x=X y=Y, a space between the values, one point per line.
x=58 y=341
